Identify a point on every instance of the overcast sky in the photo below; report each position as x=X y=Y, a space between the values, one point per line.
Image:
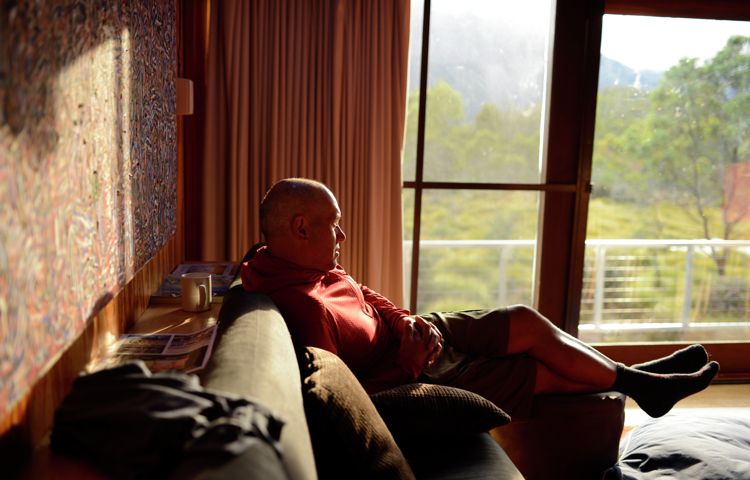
x=655 y=43
x=642 y=43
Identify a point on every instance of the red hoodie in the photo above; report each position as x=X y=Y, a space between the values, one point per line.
x=331 y=311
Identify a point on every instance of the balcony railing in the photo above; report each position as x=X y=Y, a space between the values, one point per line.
x=628 y=284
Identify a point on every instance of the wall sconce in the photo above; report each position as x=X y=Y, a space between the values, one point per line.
x=184 y=93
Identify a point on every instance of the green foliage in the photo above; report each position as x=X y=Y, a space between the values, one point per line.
x=675 y=145
x=613 y=219
x=496 y=146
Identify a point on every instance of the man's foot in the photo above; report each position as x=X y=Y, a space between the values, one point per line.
x=655 y=393
x=686 y=360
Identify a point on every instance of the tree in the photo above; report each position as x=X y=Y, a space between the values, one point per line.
x=503 y=145
x=697 y=127
x=618 y=174
x=444 y=119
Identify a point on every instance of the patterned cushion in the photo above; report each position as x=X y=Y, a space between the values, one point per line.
x=422 y=409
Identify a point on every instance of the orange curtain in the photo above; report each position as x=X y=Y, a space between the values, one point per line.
x=303 y=88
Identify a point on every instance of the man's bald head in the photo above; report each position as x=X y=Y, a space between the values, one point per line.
x=300 y=221
x=287 y=199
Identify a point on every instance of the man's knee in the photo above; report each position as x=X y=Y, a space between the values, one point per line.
x=525 y=314
x=520 y=309
x=527 y=319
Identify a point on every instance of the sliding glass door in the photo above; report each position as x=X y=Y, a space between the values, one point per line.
x=668 y=239
x=589 y=158
x=474 y=162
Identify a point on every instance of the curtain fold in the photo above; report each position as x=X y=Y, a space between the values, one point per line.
x=303 y=88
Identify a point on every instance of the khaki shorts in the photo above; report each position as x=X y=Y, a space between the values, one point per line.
x=474 y=358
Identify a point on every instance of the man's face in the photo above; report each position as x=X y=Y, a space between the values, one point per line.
x=325 y=233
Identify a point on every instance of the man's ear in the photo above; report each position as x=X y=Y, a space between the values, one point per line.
x=300 y=227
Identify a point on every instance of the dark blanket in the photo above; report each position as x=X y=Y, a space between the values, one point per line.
x=134 y=424
x=685 y=445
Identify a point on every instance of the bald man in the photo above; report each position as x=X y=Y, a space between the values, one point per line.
x=506 y=355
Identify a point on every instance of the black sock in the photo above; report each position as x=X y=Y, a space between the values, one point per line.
x=686 y=360
x=656 y=393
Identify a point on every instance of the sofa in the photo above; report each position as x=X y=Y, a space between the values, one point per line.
x=333 y=429
x=254 y=357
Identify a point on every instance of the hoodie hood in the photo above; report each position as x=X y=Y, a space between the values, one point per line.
x=267 y=274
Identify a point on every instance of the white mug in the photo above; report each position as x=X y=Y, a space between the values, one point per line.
x=195 y=290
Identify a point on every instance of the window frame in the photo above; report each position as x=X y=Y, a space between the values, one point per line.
x=418 y=185
x=566 y=182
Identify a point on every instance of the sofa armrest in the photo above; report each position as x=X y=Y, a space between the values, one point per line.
x=254 y=357
x=566 y=436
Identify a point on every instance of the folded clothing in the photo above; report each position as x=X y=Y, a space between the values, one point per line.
x=135 y=424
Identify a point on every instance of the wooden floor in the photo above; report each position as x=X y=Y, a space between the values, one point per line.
x=724 y=396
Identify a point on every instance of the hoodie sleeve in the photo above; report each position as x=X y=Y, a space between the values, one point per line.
x=390 y=313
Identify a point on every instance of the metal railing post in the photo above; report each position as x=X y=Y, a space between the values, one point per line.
x=502 y=287
x=687 y=295
x=600 y=265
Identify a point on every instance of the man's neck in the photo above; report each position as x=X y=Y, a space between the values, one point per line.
x=291 y=256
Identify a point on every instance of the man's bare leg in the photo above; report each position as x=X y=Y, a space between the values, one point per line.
x=533 y=334
x=570 y=366
x=547 y=381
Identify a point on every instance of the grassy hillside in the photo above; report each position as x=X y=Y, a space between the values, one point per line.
x=608 y=219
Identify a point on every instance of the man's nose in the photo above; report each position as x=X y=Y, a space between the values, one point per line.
x=340 y=235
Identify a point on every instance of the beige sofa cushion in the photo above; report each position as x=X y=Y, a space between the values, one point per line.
x=253 y=351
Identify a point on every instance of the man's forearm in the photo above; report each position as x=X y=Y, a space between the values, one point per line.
x=390 y=313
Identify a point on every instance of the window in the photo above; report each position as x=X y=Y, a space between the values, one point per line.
x=500 y=190
x=473 y=184
x=668 y=240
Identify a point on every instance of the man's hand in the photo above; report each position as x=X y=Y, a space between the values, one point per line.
x=421 y=345
x=427 y=329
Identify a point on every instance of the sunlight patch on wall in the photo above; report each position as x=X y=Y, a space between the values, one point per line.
x=87 y=168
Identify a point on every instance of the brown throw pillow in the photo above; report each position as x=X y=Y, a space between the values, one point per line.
x=350 y=439
x=426 y=410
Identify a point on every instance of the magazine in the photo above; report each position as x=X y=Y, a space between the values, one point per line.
x=183 y=352
x=222 y=276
